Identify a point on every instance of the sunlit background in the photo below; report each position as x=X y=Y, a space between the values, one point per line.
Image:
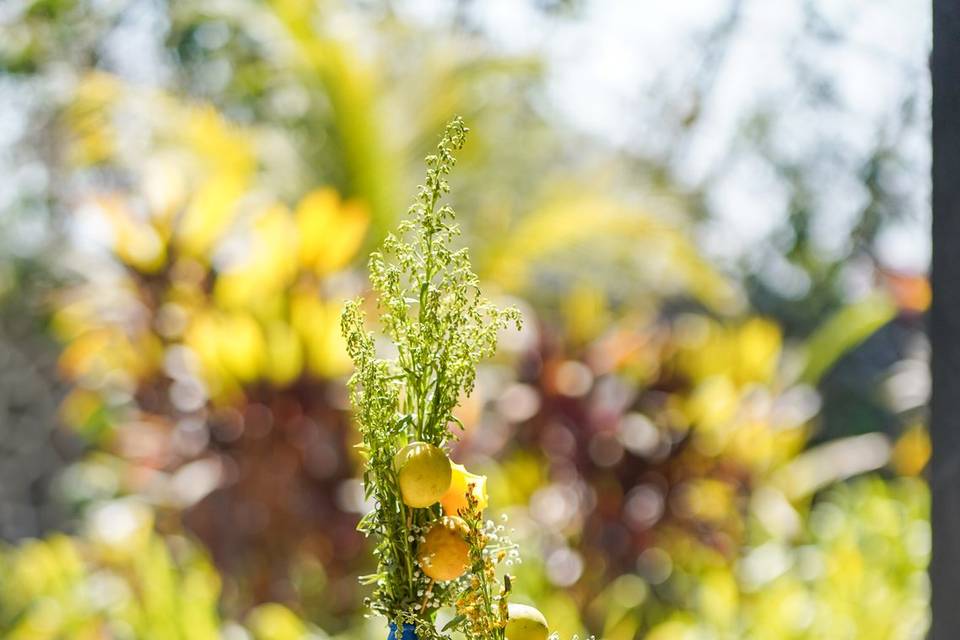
x=712 y=213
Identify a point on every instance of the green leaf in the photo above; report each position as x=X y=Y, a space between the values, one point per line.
x=842 y=332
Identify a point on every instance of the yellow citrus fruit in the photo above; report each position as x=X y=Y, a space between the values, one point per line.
x=525 y=623
x=444 y=553
x=461 y=481
x=423 y=471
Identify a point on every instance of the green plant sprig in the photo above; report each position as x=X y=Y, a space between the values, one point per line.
x=430 y=303
x=481 y=603
x=430 y=306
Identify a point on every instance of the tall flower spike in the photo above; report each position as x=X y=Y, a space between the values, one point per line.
x=429 y=305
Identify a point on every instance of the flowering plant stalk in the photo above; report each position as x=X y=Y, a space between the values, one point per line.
x=434 y=548
x=482 y=605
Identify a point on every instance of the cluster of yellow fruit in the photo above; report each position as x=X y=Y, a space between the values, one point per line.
x=426 y=476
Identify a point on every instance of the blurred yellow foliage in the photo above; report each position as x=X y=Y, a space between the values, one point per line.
x=857 y=571
x=275 y=622
x=330 y=231
x=135 y=243
x=93 y=140
x=911 y=451
x=63 y=587
x=661 y=254
x=260 y=313
x=732 y=409
x=121 y=583
x=745 y=353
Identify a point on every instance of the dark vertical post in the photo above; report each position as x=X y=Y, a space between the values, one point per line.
x=945 y=322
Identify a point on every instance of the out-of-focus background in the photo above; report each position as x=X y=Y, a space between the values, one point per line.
x=712 y=214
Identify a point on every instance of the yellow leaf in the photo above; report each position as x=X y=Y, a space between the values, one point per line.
x=331 y=231
x=275 y=622
x=135 y=241
x=93 y=139
x=270 y=267
x=665 y=258
x=318 y=324
x=758 y=351
x=242 y=346
x=713 y=403
x=202 y=338
x=209 y=213
x=911 y=452
x=285 y=353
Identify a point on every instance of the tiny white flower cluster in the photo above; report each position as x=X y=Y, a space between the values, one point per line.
x=499 y=546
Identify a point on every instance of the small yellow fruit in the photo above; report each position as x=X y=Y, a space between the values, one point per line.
x=455 y=498
x=423 y=471
x=444 y=553
x=525 y=623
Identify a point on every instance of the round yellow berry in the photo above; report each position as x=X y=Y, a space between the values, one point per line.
x=423 y=471
x=444 y=553
x=525 y=623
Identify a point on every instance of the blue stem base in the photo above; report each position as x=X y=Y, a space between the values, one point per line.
x=408 y=632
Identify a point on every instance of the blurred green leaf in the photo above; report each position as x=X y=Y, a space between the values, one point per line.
x=658 y=252
x=846 y=329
